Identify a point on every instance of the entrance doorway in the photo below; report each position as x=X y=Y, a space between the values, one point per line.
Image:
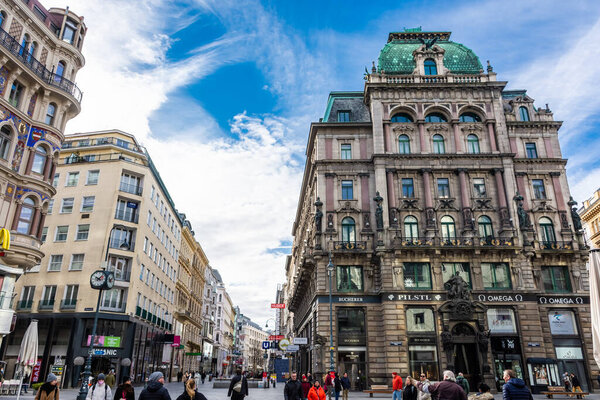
x=466 y=360
x=353 y=363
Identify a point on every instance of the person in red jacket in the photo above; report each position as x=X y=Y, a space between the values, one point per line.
x=316 y=392
x=396 y=386
x=330 y=385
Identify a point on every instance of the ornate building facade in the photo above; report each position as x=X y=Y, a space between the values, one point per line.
x=590 y=215
x=442 y=200
x=40 y=55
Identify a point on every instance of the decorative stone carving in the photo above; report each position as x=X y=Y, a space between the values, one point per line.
x=409 y=204
x=437 y=128
x=483 y=204
x=393 y=217
x=379 y=211
x=505 y=217
x=318 y=214
x=518 y=274
x=366 y=221
x=447 y=342
x=446 y=204
x=403 y=128
x=468 y=219
x=575 y=215
x=329 y=221
x=471 y=128
x=524 y=222
x=458 y=288
x=430 y=218
x=564 y=222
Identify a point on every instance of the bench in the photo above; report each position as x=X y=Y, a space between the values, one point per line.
x=380 y=389
x=560 y=391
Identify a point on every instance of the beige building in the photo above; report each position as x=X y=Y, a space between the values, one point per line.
x=40 y=55
x=590 y=215
x=251 y=340
x=224 y=326
x=190 y=287
x=112 y=210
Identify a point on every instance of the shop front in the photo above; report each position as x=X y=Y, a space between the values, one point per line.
x=422 y=348
x=352 y=343
x=505 y=343
x=543 y=372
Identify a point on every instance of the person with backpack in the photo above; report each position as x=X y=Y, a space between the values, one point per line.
x=155 y=389
x=463 y=382
x=190 y=392
x=125 y=390
x=238 y=387
x=99 y=390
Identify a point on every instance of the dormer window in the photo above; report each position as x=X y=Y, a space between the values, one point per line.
x=524 y=114
x=430 y=67
x=343 y=116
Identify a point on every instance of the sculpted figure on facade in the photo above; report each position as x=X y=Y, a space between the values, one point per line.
x=318 y=215
x=379 y=211
x=457 y=288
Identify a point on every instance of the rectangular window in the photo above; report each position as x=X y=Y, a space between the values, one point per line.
x=420 y=320
x=61 y=233
x=417 y=276
x=87 y=205
x=146 y=245
x=539 y=190
x=349 y=279
x=71 y=292
x=142 y=273
x=55 y=180
x=92 y=177
x=126 y=210
x=343 y=116
x=50 y=206
x=423 y=361
x=346 y=152
x=351 y=326
x=531 y=150
x=49 y=294
x=347 y=190
x=408 y=189
x=501 y=320
x=120 y=267
x=76 y=262
x=72 y=179
x=131 y=184
x=479 y=187
x=15 y=94
x=451 y=269
x=55 y=263
x=27 y=293
x=113 y=299
x=83 y=232
x=443 y=188
x=149 y=219
x=556 y=279
x=121 y=239
x=152 y=193
x=67 y=206
x=495 y=276
x=44 y=234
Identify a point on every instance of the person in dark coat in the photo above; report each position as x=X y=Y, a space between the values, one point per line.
x=293 y=388
x=345 y=386
x=238 y=387
x=155 y=389
x=514 y=388
x=447 y=389
x=190 y=392
x=410 y=391
x=125 y=390
x=179 y=376
x=203 y=376
x=305 y=387
x=337 y=384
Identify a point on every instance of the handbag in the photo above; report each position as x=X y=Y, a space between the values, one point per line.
x=238 y=386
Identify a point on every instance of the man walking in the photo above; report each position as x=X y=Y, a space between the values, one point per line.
x=238 y=387
x=463 y=382
x=425 y=382
x=293 y=388
x=514 y=388
x=345 y=386
x=396 y=386
x=330 y=385
x=447 y=389
x=155 y=389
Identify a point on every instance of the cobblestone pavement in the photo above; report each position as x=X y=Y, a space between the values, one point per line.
x=175 y=389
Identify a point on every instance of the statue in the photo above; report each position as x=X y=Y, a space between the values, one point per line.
x=318 y=214
x=524 y=222
x=575 y=215
x=446 y=339
x=483 y=339
x=379 y=211
x=457 y=288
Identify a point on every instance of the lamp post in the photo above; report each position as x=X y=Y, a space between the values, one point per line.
x=100 y=280
x=330 y=268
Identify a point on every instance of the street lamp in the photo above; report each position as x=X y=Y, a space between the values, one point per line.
x=100 y=280
x=330 y=268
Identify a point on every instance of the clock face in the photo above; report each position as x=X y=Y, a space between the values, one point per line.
x=97 y=279
x=110 y=280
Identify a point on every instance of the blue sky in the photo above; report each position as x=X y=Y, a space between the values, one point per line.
x=222 y=94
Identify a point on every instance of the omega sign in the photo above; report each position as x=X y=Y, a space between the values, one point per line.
x=561 y=300
x=500 y=297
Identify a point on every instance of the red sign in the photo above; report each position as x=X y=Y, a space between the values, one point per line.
x=35 y=374
x=277 y=305
x=176 y=341
x=276 y=337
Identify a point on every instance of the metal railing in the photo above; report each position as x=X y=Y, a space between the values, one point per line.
x=556 y=245
x=24 y=304
x=129 y=188
x=68 y=304
x=123 y=215
x=39 y=69
x=74 y=144
x=416 y=242
x=91 y=158
x=46 y=304
x=358 y=245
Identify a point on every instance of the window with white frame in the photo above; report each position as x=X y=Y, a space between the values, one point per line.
x=87 y=205
x=72 y=179
x=55 y=263
x=61 y=233
x=83 y=232
x=76 y=262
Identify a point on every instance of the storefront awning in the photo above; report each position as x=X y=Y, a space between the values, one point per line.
x=535 y=360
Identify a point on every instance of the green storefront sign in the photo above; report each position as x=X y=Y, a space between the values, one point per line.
x=112 y=341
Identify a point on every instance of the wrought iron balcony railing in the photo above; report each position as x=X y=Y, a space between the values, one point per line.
x=358 y=245
x=416 y=242
x=556 y=245
x=39 y=69
x=24 y=304
x=46 y=304
x=129 y=188
x=68 y=304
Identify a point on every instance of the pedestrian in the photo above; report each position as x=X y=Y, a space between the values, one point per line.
x=483 y=393
x=156 y=389
x=410 y=391
x=238 y=387
x=359 y=382
x=125 y=390
x=309 y=377
x=316 y=392
x=514 y=388
x=337 y=383
x=345 y=386
x=447 y=389
x=49 y=390
x=179 y=376
x=293 y=388
x=330 y=385
x=305 y=387
x=576 y=385
x=423 y=381
x=463 y=382
x=567 y=381
x=396 y=386
x=190 y=392
x=111 y=380
x=99 y=390
x=203 y=376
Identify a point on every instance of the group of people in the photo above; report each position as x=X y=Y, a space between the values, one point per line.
x=571 y=382
x=199 y=377
x=311 y=389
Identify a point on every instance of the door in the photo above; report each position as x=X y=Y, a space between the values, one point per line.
x=576 y=367
x=353 y=363
x=466 y=360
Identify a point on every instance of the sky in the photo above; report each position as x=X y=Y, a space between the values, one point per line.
x=222 y=94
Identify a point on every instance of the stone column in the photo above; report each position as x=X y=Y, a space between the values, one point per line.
x=35 y=221
x=38 y=234
x=16 y=216
x=492 y=135
x=11 y=79
x=48 y=167
x=386 y=138
x=31 y=152
x=365 y=201
x=457 y=142
x=560 y=203
x=502 y=204
x=465 y=199
x=52 y=172
x=422 y=142
x=429 y=211
x=391 y=193
x=329 y=207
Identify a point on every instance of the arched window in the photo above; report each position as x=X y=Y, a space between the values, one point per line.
x=2 y=18
x=39 y=159
x=24 y=44
x=547 y=228
x=403 y=144
x=60 y=70
x=448 y=229
x=26 y=216
x=411 y=228
x=31 y=51
x=348 y=230
x=402 y=117
x=473 y=144
x=50 y=113
x=469 y=117
x=523 y=113
x=439 y=146
x=5 y=140
x=435 y=117
x=430 y=67
x=485 y=227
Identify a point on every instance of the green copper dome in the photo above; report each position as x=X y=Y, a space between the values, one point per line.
x=397 y=55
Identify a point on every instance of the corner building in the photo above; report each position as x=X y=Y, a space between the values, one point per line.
x=443 y=200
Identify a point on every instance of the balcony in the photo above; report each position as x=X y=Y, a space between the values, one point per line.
x=102 y=142
x=350 y=246
x=91 y=158
x=68 y=304
x=24 y=251
x=46 y=305
x=24 y=305
x=50 y=78
x=416 y=242
x=117 y=308
x=123 y=215
x=497 y=242
x=404 y=79
x=556 y=246
x=132 y=189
